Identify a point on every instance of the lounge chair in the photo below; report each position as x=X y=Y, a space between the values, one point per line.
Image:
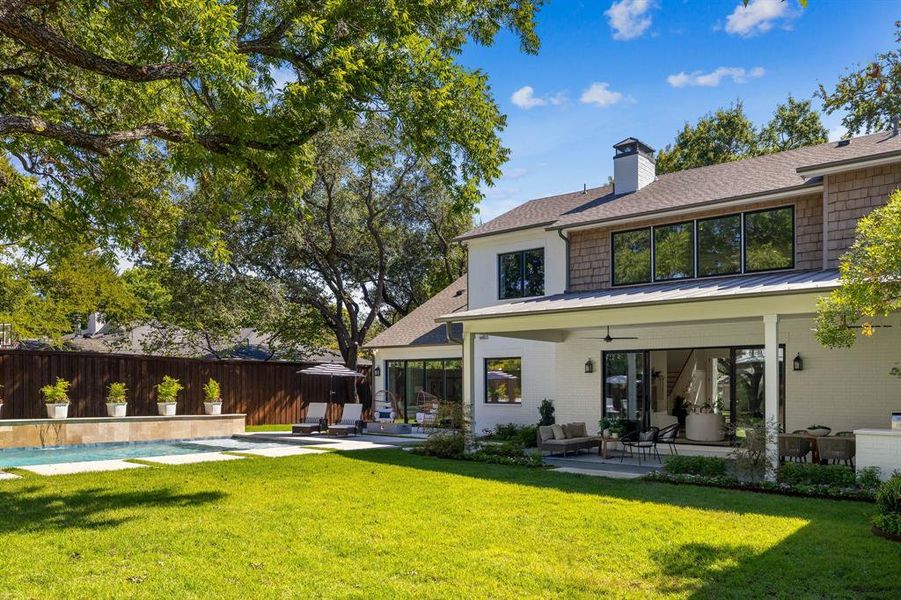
x=313 y=421
x=351 y=421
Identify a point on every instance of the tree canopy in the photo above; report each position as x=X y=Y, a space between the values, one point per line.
x=870 y=274
x=869 y=96
x=728 y=134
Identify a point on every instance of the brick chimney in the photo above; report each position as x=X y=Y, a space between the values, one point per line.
x=633 y=166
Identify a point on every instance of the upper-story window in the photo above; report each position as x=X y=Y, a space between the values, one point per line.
x=521 y=274
x=750 y=242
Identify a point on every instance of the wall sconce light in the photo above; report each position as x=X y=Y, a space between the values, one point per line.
x=377 y=371
x=798 y=363
x=589 y=366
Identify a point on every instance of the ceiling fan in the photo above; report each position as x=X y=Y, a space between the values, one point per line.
x=609 y=338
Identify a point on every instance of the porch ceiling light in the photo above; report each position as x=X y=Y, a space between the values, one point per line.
x=589 y=366
x=798 y=363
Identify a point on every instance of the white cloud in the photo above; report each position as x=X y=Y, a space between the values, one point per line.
x=629 y=19
x=525 y=98
x=600 y=94
x=515 y=173
x=759 y=16
x=713 y=78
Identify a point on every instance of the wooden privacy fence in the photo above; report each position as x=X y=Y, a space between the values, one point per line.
x=267 y=392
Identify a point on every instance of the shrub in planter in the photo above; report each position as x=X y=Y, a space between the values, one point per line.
x=812 y=474
x=546 y=412
x=212 y=398
x=888 y=505
x=704 y=466
x=56 y=398
x=116 y=402
x=167 y=395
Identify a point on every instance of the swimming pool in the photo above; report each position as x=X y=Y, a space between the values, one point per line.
x=26 y=457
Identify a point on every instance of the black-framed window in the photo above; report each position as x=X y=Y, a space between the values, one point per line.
x=770 y=239
x=521 y=274
x=719 y=246
x=442 y=377
x=674 y=251
x=503 y=380
x=632 y=256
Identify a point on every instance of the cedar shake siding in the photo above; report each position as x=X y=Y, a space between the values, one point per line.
x=850 y=196
x=589 y=249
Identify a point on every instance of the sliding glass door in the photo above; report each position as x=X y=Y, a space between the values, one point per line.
x=440 y=377
x=626 y=387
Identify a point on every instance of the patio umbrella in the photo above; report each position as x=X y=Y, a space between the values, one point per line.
x=331 y=370
x=497 y=375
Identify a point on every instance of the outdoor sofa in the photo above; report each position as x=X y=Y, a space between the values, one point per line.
x=571 y=437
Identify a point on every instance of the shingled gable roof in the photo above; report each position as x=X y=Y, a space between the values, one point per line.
x=419 y=328
x=733 y=181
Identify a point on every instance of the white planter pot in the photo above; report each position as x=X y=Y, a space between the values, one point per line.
x=57 y=411
x=1 y=409
x=116 y=409
x=167 y=409
x=704 y=427
x=212 y=408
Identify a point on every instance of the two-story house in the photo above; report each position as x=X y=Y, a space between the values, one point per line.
x=686 y=297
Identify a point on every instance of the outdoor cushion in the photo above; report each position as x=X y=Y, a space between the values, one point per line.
x=559 y=434
x=575 y=430
x=546 y=432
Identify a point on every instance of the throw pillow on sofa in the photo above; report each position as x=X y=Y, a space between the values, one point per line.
x=578 y=430
x=546 y=432
x=559 y=434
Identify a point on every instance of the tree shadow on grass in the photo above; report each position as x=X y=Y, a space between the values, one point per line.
x=831 y=555
x=39 y=509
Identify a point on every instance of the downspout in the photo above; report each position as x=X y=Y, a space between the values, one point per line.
x=448 y=330
x=566 y=244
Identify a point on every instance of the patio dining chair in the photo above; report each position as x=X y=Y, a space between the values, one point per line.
x=351 y=421
x=645 y=442
x=793 y=447
x=313 y=421
x=845 y=434
x=668 y=436
x=837 y=449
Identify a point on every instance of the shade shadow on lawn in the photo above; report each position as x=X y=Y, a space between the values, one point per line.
x=832 y=556
x=33 y=509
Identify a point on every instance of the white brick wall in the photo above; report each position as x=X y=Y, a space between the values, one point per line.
x=880 y=449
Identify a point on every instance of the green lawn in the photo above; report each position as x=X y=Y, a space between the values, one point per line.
x=385 y=523
x=251 y=428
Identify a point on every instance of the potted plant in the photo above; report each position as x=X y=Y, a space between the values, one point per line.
x=819 y=430
x=612 y=427
x=56 y=398
x=212 y=400
x=116 y=403
x=166 y=395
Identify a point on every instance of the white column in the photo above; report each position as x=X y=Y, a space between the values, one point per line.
x=469 y=390
x=771 y=379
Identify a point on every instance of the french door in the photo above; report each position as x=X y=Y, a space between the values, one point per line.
x=626 y=384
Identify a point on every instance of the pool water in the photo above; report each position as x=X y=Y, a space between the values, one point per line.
x=24 y=457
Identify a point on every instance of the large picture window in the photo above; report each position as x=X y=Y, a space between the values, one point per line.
x=407 y=378
x=719 y=246
x=770 y=239
x=503 y=380
x=674 y=251
x=521 y=274
x=632 y=256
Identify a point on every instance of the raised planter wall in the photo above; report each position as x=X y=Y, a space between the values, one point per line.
x=31 y=433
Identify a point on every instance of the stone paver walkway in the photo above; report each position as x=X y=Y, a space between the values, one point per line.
x=279 y=452
x=190 y=459
x=88 y=466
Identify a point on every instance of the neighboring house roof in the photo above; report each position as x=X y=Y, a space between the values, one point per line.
x=748 y=178
x=681 y=291
x=246 y=344
x=419 y=328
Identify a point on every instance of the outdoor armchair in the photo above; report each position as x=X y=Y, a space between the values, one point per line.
x=837 y=449
x=794 y=447
x=643 y=441
x=668 y=436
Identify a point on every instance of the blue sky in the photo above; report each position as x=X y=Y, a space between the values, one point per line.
x=608 y=70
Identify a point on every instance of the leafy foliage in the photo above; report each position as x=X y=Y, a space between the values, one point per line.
x=523 y=435
x=812 y=474
x=888 y=503
x=116 y=393
x=57 y=392
x=728 y=134
x=211 y=391
x=705 y=466
x=869 y=275
x=868 y=97
x=546 y=412
x=167 y=390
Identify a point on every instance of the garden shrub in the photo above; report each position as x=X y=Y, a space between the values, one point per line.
x=705 y=466
x=888 y=503
x=868 y=478
x=813 y=474
x=546 y=412
x=525 y=435
x=444 y=444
